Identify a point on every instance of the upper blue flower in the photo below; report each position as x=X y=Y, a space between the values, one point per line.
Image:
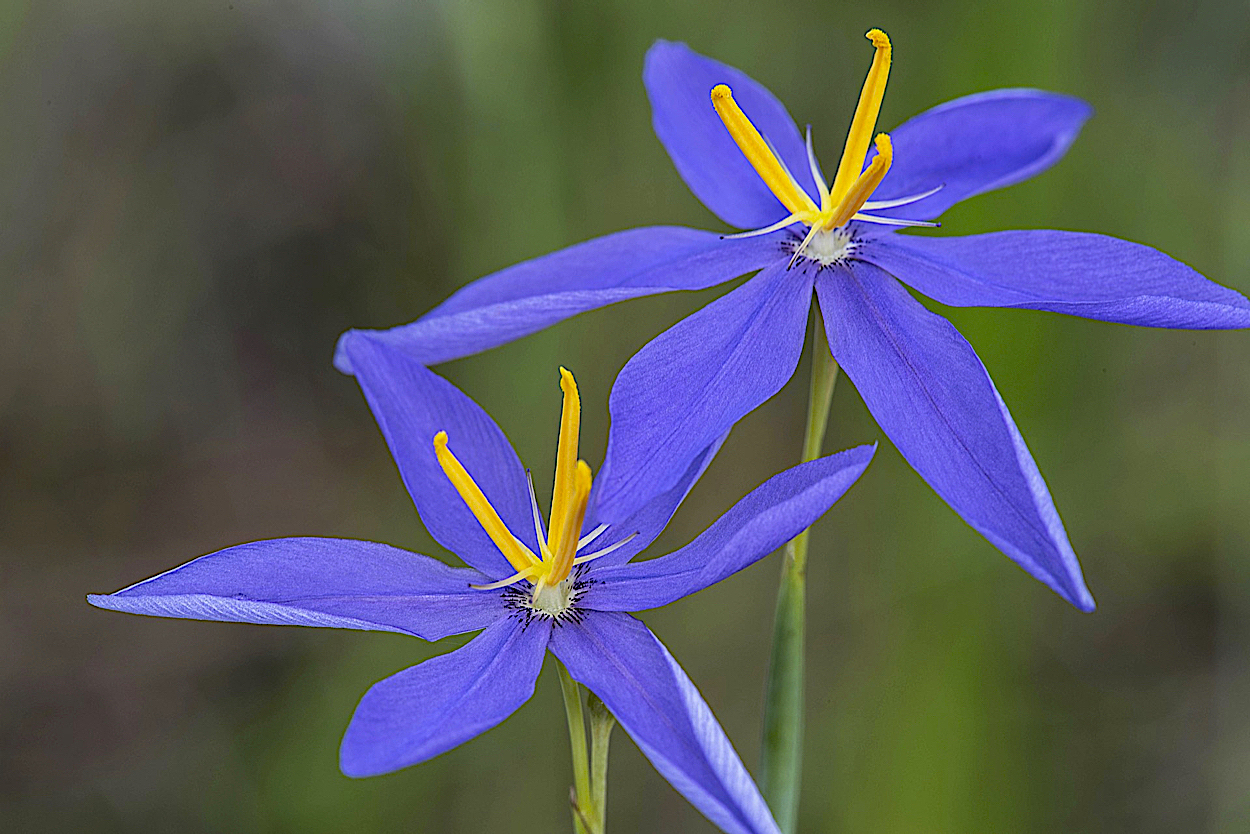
x=567 y=589
x=740 y=152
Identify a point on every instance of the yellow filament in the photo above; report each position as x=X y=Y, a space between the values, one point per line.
x=503 y=583
x=762 y=159
x=571 y=527
x=863 y=187
x=562 y=492
x=513 y=550
x=865 y=120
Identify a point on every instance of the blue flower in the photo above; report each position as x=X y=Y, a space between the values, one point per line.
x=567 y=588
x=743 y=156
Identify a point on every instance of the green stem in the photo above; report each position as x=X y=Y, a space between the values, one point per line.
x=601 y=724
x=782 y=762
x=583 y=805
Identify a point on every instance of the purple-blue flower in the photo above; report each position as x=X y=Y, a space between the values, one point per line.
x=740 y=152
x=568 y=588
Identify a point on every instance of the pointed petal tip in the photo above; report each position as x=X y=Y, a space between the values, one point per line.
x=660 y=45
x=115 y=602
x=342 y=357
x=856 y=457
x=868 y=450
x=1084 y=601
x=661 y=51
x=355 y=763
x=348 y=765
x=1069 y=586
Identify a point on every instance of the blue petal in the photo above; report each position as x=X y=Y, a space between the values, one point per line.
x=679 y=83
x=331 y=583
x=623 y=663
x=690 y=384
x=411 y=405
x=1092 y=276
x=531 y=295
x=646 y=525
x=771 y=515
x=430 y=708
x=932 y=396
x=976 y=144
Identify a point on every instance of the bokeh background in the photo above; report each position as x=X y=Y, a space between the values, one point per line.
x=198 y=197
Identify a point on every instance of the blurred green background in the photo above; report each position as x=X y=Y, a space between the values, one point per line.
x=200 y=196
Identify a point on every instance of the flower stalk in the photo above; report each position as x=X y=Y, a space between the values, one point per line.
x=583 y=804
x=782 y=758
x=602 y=723
x=589 y=794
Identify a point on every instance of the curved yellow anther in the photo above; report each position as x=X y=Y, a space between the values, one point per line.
x=753 y=146
x=863 y=187
x=865 y=120
x=517 y=554
x=565 y=549
x=562 y=492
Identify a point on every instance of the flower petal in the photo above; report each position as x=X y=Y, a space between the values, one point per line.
x=976 y=144
x=331 y=583
x=679 y=84
x=526 y=297
x=412 y=404
x=1088 y=275
x=932 y=396
x=646 y=525
x=622 y=662
x=690 y=384
x=768 y=517
x=430 y=708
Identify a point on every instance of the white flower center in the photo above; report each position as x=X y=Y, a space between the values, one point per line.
x=553 y=600
x=831 y=247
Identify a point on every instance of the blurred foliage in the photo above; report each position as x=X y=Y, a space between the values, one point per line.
x=199 y=196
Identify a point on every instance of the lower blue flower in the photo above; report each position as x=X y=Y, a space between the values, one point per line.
x=567 y=589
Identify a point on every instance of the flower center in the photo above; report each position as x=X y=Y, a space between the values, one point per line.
x=548 y=602
x=549 y=571
x=832 y=247
x=552 y=599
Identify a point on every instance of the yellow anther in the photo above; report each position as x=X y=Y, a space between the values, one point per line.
x=569 y=500
x=517 y=554
x=863 y=187
x=562 y=493
x=563 y=553
x=865 y=121
x=753 y=146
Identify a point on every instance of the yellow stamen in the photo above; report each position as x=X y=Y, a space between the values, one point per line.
x=567 y=536
x=865 y=121
x=558 y=553
x=863 y=187
x=562 y=492
x=513 y=550
x=753 y=146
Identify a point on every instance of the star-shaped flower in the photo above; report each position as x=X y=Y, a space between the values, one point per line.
x=567 y=589
x=740 y=152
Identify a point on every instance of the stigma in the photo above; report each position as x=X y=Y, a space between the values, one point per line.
x=549 y=576
x=849 y=196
